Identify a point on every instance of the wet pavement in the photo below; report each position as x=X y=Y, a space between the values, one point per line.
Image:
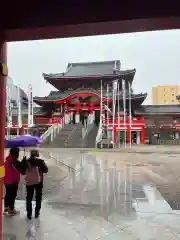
x=103 y=196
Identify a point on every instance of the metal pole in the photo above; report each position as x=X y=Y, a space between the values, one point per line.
x=30 y=107
x=130 y=113
x=113 y=110
x=107 y=96
x=124 y=108
x=118 y=108
x=101 y=106
x=101 y=117
x=9 y=110
x=115 y=84
x=19 y=110
x=119 y=132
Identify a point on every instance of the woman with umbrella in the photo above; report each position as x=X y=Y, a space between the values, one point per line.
x=14 y=168
x=11 y=181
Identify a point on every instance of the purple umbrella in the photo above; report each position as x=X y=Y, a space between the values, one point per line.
x=22 y=141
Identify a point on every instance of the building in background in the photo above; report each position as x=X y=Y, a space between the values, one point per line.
x=165 y=94
x=14 y=95
x=79 y=93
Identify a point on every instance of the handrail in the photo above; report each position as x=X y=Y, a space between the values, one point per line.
x=52 y=131
x=60 y=162
x=47 y=133
x=99 y=133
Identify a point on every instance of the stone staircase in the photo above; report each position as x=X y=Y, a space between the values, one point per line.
x=59 y=140
x=70 y=136
x=75 y=139
x=89 y=140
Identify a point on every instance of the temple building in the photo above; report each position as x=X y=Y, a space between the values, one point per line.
x=82 y=92
x=79 y=95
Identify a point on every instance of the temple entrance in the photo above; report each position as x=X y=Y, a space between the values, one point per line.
x=83 y=117
x=135 y=137
x=121 y=137
x=97 y=117
x=74 y=118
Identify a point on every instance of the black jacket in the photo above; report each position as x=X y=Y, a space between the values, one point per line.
x=34 y=162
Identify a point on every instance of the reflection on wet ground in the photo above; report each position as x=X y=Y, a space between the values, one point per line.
x=100 y=199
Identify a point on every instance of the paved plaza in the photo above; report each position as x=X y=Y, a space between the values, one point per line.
x=93 y=194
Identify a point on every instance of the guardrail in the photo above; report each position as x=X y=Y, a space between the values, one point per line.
x=99 y=134
x=52 y=131
x=89 y=126
x=60 y=162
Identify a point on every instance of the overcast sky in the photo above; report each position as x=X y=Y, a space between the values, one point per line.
x=155 y=55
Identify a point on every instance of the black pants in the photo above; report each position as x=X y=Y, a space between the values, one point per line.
x=29 y=197
x=10 y=196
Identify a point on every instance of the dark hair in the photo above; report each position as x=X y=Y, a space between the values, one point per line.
x=34 y=153
x=14 y=152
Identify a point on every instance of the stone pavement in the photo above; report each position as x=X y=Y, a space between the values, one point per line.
x=105 y=198
x=143 y=149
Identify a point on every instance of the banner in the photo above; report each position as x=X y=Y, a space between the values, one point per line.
x=19 y=109
x=8 y=107
x=30 y=107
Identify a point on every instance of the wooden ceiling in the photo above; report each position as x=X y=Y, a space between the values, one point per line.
x=29 y=20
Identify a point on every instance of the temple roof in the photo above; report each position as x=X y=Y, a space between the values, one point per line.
x=87 y=69
x=143 y=110
x=158 y=109
x=82 y=74
x=57 y=95
x=24 y=111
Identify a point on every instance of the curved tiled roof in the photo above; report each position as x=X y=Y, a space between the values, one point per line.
x=55 y=96
x=87 y=69
x=82 y=74
x=37 y=110
x=159 y=109
x=143 y=110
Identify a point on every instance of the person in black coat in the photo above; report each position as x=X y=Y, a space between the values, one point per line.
x=36 y=162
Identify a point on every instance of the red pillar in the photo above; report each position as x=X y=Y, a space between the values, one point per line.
x=128 y=135
x=142 y=135
x=114 y=135
x=3 y=60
